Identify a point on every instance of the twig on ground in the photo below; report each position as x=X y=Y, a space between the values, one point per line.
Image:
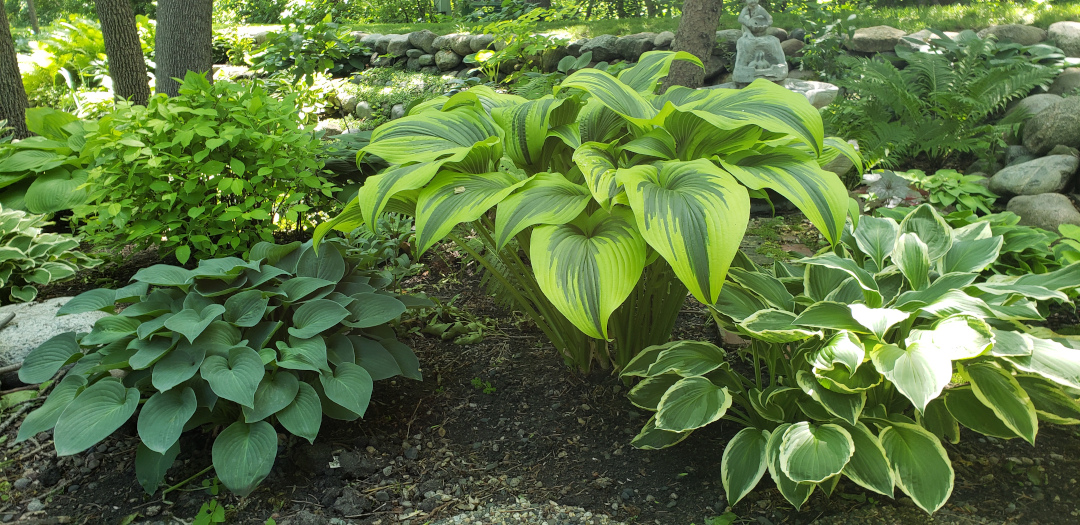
x=10 y=368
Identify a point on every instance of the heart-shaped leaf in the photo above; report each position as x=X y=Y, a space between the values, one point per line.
x=243 y=455
x=150 y=466
x=691 y=403
x=372 y=309
x=191 y=323
x=744 y=463
x=315 y=317
x=45 y=417
x=237 y=377
x=246 y=308
x=44 y=361
x=274 y=394
x=349 y=386
x=303 y=416
x=814 y=453
x=163 y=416
x=93 y=415
x=920 y=465
x=179 y=366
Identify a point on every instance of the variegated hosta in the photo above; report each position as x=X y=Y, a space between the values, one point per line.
x=618 y=198
x=866 y=357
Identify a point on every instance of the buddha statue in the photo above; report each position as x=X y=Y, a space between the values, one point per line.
x=758 y=55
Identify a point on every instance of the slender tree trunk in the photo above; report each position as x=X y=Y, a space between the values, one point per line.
x=12 y=94
x=33 y=16
x=185 y=38
x=127 y=67
x=697 y=35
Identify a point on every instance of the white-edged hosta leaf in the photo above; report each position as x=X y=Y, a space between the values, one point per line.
x=832 y=261
x=937 y=419
x=765 y=286
x=243 y=455
x=814 y=453
x=829 y=315
x=999 y=390
x=930 y=228
x=692 y=213
x=744 y=463
x=653 y=438
x=957 y=337
x=94 y=415
x=970 y=411
x=588 y=267
x=842 y=348
x=452 y=198
x=794 y=493
x=303 y=416
x=640 y=363
x=877 y=320
x=650 y=390
x=547 y=198
x=688 y=358
x=44 y=361
x=868 y=466
x=912 y=256
x=775 y=326
x=876 y=237
x=1051 y=402
x=163 y=416
x=847 y=407
x=692 y=402
x=920 y=465
x=1050 y=359
x=919 y=372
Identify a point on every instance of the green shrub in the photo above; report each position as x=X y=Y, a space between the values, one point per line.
x=29 y=258
x=43 y=174
x=864 y=359
x=952 y=188
x=208 y=173
x=305 y=51
x=286 y=336
x=619 y=199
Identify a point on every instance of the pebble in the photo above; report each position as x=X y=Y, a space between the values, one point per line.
x=152 y=511
x=412 y=453
x=73 y=487
x=21 y=483
x=387 y=471
x=1010 y=508
x=382 y=496
x=34 y=505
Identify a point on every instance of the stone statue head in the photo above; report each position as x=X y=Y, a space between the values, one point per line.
x=752 y=3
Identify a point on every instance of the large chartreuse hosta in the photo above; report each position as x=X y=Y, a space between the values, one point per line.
x=610 y=189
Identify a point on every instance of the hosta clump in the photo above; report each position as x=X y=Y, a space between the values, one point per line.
x=30 y=258
x=601 y=206
x=284 y=337
x=865 y=358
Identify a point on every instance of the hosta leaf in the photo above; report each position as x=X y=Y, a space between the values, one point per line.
x=999 y=390
x=970 y=411
x=327 y=264
x=688 y=359
x=315 y=317
x=619 y=97
x=101 y=299
x=912 y=256
x=110 y=329
x=93 y=415
x=44 y=361
x=653 y=438
x=814 y=453
x=920 y=465
x=243 y=455
x=920 y=372
x=937 y=419
x=598 y=165
x=349 y=386
x=274 y=394
x=372 y=309
x=842 y=348
x=744 y=463
x=877 y=320
x=164 y=275
x=847 y=407
x=775 y=326
x=868 y=466
x=191 y=323
x=692 y=213
x=971 y=256
x=452 y=198
x=1051 y=360
x=44 y=418
x=178 y=366
x=588 y=267
x=374 y=358
x=925 y=223
x=794 y=493
x=829 y=315
x=547 y=198
x=377 y=190
x=163 y=417
x=957 y=337
x=692 y=402
x=406 y=359
x=151 y=467
x=237 y=377
x=526 y=126
x=246 y=308
x=876 y=237
x=833 y=262
x=1051 y=402
x=303 y=416
x=649 y=391
x=431 y=136
x=650 y=68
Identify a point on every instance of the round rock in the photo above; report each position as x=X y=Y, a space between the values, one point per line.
x=1047 y=211
x=874 y=39
x=1058 y=124
x=480 y=42
x=1067 y=37
x=1020 y=34
x=446 y=59
x=1044 y=175
x=1066 y=81
x=423 y=39
x=602 y=47
x=664 y=39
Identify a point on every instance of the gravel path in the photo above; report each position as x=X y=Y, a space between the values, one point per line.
x=524 y=513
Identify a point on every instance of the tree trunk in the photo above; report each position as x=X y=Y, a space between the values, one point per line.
x=12 y=94
x=185 y=38
x=33 y=16
x=127 y=67
x=697 y=35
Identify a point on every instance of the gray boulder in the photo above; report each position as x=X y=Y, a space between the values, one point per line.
x=664 y=39
x=423 y=39
x=1067 y=36
x=874 y=39
x=398 y=45
x=363 y=109
x=1066 y=81
x=1033 y=104
x=779 y=32
x=574 y=48
x=798 y=34
x=35 y=323
x=413 y=64
x=549 y=59
x=348 y=105
x=792 y=47
x=461 y=44
x=1047 y=211
x=1058 y=124
x=330 y=127
x=1020 y=34
x=480 y=42
x=381 y=61
x=1064 y=150
x=426 y=60
x=1017 y=155
x=631 y=47
x=381 y=43
x=414 y=53
x=726 y=39
x=1034 y=177
x=447 y=59
x=602 y=47
x=397 y=111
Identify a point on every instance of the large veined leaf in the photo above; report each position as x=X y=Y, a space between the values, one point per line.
x=845 y=406
x=547 y=198
x=999 y=390
x=843 y=348
x=651 y=67
x=775 y=326
x=877 y=320
x=763 y=104
x=920 y=372
x=968 y=410
x=452 y=198
x=191 y=322
x=814 y=453
x=303 y=354
x=243 y=455
x=848 y=266
x=688 y=358
x=1051 y=402
x=303 y=416
x=236 y=377
x=93 y=415
x=692 y=402
x=163 y=416
x=246 y=308
x=314 y=317
x=744 y=463
x=44 y=418
x=377 y=190
x=151 y=467
x=617 y=96
x=937 y=419
x=971 y=256
x=819 y=194
x=649 y=391
x=430 y=136
x=930 y=228
x=920 y=465
x=274 y=394
x=653 y=438
x=164 y=275
x=957 y=337
x=372 y=309
x=589 y=266
x=795 y=493
x=598 y=165
x=526 y=126
x=1051 y=360
x=44 y=361
x=178 y=366
x=876 y=237
x=868 y=466
x=693 y=214
x=55 y=190
x=765 y=286
x=349 y=386
x=912 y=256
x=825 y=314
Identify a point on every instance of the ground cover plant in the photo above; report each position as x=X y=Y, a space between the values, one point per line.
x=611 y=188
x=44 y=174
x=233 y=345
x=865 y=357
x=208 y=173
x=30 y=258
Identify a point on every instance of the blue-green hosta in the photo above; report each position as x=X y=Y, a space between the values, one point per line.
x=284 y=337
x=30 y=258
x=866 y=357
x=620 y=199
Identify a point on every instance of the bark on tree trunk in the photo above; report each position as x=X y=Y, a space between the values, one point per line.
x=126 y=64
x=185 y=38
x=33 y=16
x=12 y=94
x=697 y=35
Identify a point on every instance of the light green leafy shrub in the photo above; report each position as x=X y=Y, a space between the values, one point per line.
x=1068 y=249
x=30 y=258
x=205 y=174
x=952 y=188
x=43 y=174
x=283 y=337
x=609 y=201
x=865 y=358
x=303 y=52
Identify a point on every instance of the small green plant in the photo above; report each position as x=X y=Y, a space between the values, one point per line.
x=206 y=174
x=450 y=323
x=305 y=51
x=824 y=53
x=211 y=512
x=232 y=347
x=30 y=258
x=864 y=359
x=486 y=386
x=519 y=41
x=947 y=188
x=1067 y=249
x=44 y=174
